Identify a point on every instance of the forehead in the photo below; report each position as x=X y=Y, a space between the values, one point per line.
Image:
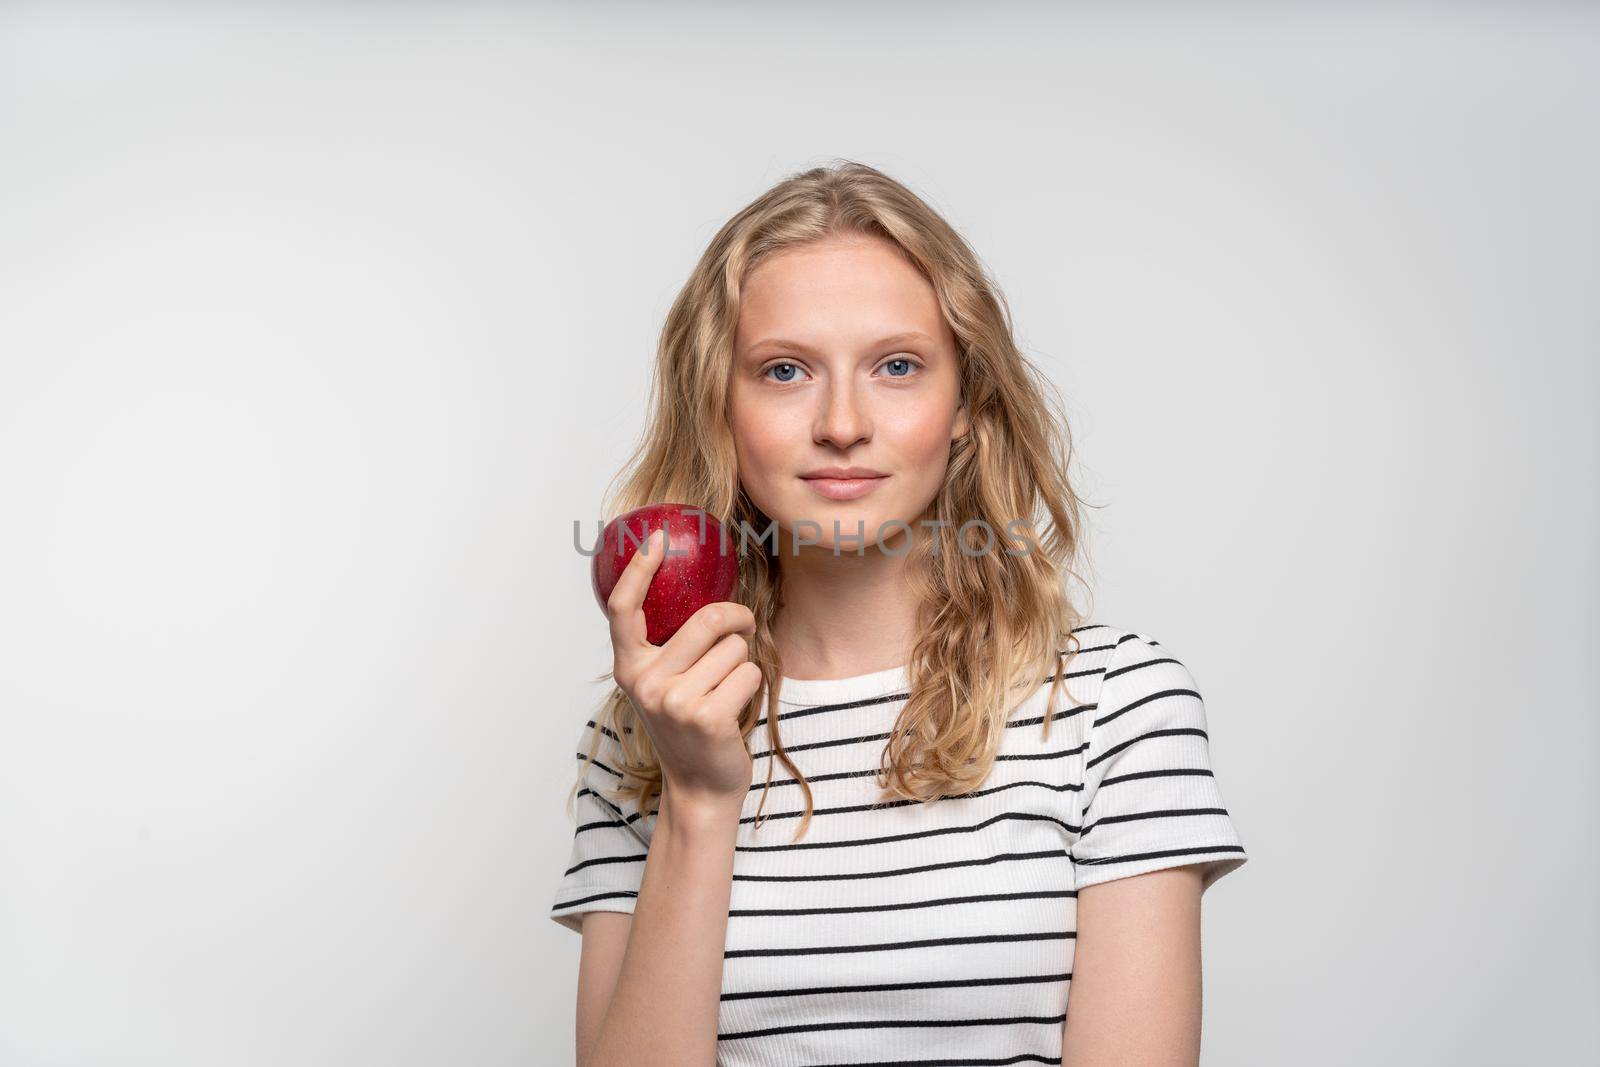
x=839 y=290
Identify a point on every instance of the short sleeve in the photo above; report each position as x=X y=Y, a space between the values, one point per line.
x=1150 y=799
x=609 y=841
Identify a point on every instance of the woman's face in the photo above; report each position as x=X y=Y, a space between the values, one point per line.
x=842 y=358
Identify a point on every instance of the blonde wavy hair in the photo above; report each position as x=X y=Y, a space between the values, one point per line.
x=992 y=626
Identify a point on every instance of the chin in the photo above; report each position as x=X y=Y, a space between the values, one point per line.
x=856 y=520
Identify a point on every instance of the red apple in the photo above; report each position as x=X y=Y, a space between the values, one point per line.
x=701 y=566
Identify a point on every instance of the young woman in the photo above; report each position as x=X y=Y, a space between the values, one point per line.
x=899 y=798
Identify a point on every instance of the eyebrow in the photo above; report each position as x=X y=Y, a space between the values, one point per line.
x=796 y=346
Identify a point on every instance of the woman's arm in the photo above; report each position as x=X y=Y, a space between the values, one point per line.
x=1135 y=995
x=669 y=990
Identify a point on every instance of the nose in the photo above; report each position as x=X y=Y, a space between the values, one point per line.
x=841 y=422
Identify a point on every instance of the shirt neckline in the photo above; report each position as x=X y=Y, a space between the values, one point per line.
x=811 y=691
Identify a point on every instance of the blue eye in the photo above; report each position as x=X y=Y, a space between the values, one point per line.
x=910 y=365
x=774 y=367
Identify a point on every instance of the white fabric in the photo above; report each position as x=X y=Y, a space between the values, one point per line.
x=941 y=933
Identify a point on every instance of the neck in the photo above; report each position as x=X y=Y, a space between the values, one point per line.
x=844 y=614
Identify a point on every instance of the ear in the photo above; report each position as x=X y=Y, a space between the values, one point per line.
x=963 y=423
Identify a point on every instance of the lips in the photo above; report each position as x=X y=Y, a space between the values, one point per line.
x=843 y=473
x=845 y=488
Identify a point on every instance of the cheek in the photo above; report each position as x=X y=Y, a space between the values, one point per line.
x=921 y=434
x=761 y=443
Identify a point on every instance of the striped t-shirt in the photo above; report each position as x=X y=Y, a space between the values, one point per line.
x=940 y=934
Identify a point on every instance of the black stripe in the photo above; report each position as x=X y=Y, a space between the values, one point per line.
x=817 y=709
x=886 y=987
x=834 y=776
x=848 y=809
x=745 y=913
x=599 y=860
x=1147 y=698
x=629 y=819
x=1136 y=816
x=607 y=730
x=965 y=1061
x=596 y=762
x=1071 y=787
x=739 y=913
x=1162 y=854
x=1177 y=731
x=597 y=896
x=1065 y=713
x=899 y=946
x=1013 y=723
x=1169 y=772
x=1135 y=666
x=1073 y=751
x=885 y=1024
x=854 y=876
x=917 y=835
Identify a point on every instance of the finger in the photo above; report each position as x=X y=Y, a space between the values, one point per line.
x=730 y=697
x=705 y=628
x=625 y=606
x=718 y=662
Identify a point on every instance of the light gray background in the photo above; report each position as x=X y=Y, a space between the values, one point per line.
x=321 y=325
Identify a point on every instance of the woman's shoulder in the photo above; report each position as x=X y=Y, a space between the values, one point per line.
x=1094 y=644
x=1124 y=659
x=1106 y=640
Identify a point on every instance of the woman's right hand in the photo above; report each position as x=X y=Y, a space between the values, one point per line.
x=690 y=691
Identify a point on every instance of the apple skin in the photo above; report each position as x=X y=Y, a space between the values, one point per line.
x=692 y=575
